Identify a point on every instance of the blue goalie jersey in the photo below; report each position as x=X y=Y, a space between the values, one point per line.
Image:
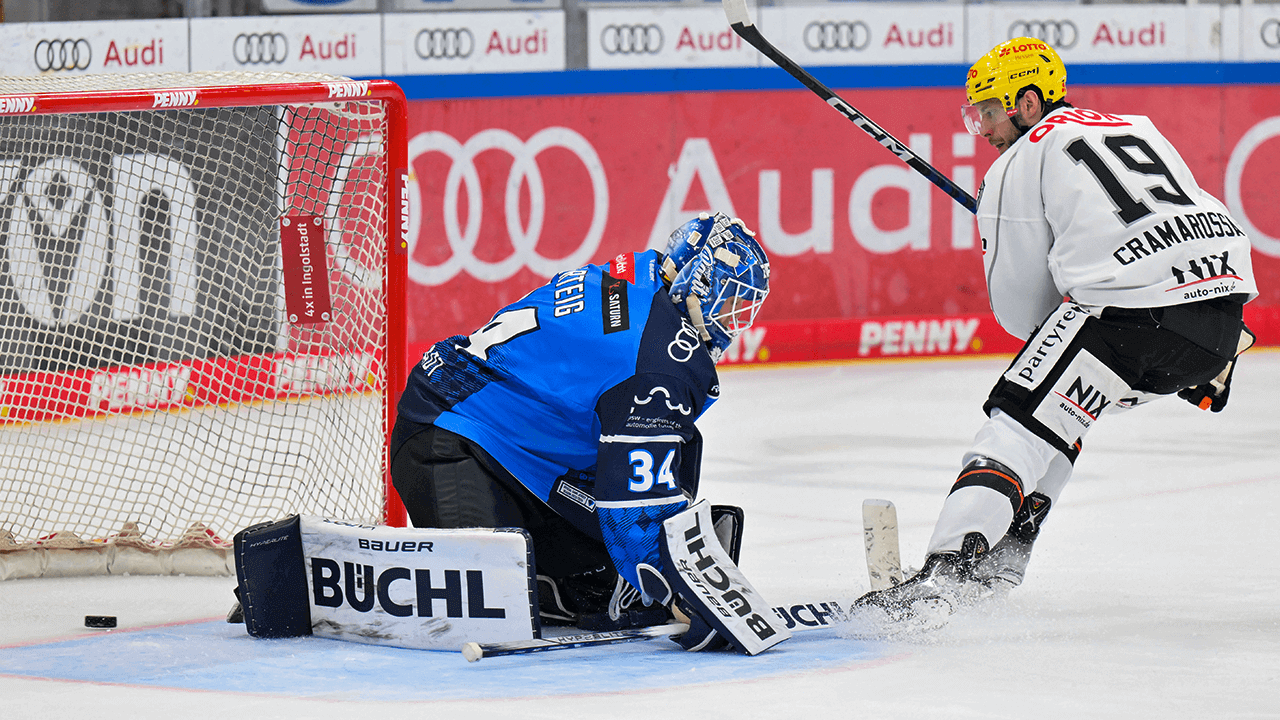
x=586 y=390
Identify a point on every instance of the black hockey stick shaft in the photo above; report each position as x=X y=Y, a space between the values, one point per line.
x=804 y=616
x=740 y=20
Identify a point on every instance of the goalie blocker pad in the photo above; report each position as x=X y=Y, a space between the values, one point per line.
x=703 y=574
x=405 y=587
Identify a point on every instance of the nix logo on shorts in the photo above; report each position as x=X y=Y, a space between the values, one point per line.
x=1085 y=398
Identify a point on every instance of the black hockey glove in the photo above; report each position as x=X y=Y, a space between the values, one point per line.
x=1213 y=394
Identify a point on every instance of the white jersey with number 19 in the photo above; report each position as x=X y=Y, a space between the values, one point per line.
x=1101 y=209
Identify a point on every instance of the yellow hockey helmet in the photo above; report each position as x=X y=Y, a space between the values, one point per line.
x=1013 y=65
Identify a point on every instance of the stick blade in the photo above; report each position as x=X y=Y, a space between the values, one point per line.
x=880 y=534
x=736 y=11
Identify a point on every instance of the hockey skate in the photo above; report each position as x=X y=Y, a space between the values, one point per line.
x=1004 y=567
x=927 y=599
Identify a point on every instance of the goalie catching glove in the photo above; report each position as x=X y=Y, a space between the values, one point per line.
x=703 y=582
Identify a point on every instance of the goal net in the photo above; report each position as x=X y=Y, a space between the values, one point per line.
x=200 y=309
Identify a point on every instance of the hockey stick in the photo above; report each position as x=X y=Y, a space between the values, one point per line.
x=740 y=20
x=880 y=533
x=473 y=652
x=819 y=615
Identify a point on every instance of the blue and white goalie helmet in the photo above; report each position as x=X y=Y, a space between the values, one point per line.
x=719 y=274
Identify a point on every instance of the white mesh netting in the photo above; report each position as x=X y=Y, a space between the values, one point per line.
x=153 y=370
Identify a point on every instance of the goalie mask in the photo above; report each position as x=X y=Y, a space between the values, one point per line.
x=719 y=275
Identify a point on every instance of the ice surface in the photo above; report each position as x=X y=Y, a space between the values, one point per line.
x=1152 y=594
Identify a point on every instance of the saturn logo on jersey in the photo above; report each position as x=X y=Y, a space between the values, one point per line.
x=659 y=390
x=614 y=312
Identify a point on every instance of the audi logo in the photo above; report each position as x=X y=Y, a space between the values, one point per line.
x=524 y=180
x=837 y=35
x=54 y=55
x=440 y=43
x=1061 y=34
x=1270 y=33
x=631 y=39
x=260 y=48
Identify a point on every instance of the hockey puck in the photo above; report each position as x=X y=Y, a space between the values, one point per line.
x=99 y=621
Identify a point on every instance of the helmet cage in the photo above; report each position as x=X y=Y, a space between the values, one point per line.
x=723 y=286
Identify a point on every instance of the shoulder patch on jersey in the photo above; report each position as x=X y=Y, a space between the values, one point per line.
x=623 y=267
x=615 y=314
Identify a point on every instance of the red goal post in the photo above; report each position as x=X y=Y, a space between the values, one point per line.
x=201 y=312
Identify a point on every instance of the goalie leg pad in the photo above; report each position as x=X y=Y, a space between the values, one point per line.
x=272 y=579
x=712 y=587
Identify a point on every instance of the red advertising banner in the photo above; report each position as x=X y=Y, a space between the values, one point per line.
x=868 y=258
x=303 y=254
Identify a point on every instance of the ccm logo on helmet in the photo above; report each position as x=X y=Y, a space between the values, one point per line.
x=1024 y=73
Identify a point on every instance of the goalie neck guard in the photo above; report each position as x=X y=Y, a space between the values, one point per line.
x=719 y=275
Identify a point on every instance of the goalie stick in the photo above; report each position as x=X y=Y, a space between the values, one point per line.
x=740 y=20
x=803 y=616
x=880 y=534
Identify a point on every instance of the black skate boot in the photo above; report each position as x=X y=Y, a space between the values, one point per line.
x=1004 y=567
x=941 y=587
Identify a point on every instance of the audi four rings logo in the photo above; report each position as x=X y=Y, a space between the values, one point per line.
x=837 y=35
x=260 y=48
x=524 y=183
x=54 y=55
x=1271 y=33
x=631 y=39
x=440 y=43
x=1061 y=34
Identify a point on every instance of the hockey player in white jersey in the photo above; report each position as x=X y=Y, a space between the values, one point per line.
x=1126 y=280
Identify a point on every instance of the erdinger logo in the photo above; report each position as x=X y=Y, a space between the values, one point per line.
x=1061 y=34
x=57 y=55
x=355 y=586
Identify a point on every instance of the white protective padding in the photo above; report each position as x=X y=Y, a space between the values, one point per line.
x=65 y=554
x=702 y=572
x=419 y=588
